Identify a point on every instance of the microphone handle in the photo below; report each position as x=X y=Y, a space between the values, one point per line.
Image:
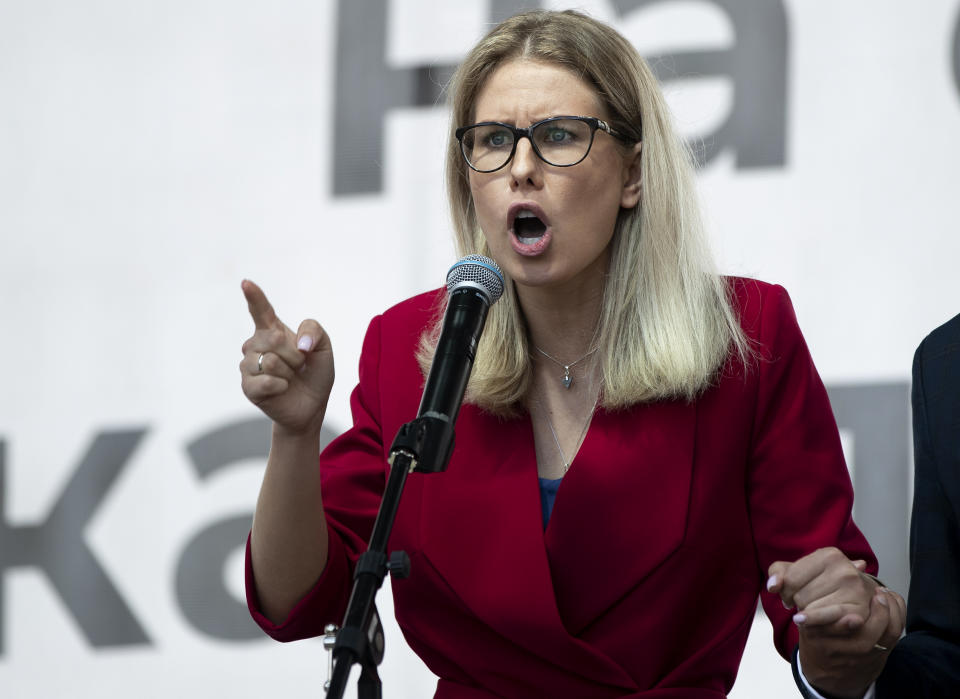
x=456 y=349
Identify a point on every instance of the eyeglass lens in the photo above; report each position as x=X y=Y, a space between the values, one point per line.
x=559 y=142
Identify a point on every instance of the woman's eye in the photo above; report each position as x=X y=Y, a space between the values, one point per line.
x=556 y=135
x=497 y=139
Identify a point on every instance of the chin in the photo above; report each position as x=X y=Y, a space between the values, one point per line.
x=538 y=276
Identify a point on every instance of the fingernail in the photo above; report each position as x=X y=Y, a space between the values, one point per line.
x=771 y=581
x=882 y=599
x=305 y=343
x=799 y=619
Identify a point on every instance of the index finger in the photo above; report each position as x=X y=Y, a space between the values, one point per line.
x=260 y=309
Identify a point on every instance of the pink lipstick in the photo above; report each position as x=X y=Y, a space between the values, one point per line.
x=529 y=228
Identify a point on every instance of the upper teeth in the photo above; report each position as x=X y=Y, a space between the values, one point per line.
x=523 y=213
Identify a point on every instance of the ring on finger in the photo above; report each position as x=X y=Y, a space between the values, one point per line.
x=260 y=363
x=880 y=648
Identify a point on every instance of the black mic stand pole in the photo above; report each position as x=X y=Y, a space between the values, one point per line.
x=360 y=640
x=424 y=445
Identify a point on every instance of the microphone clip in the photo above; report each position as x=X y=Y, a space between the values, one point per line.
x=428 y=440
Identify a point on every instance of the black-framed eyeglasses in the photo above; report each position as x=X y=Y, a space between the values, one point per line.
x=561 y=141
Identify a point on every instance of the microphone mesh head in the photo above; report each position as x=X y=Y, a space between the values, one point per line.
x=478 y=272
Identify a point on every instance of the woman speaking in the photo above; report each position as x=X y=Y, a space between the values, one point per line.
x=645 y=445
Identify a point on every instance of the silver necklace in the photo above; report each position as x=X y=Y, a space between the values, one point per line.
x=556 y=440
x=567 y=380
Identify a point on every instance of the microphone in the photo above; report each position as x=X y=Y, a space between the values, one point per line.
x=473 y=284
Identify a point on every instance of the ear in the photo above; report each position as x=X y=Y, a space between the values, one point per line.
x=630 y=196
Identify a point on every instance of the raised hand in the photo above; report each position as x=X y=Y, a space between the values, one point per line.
x=287 y=375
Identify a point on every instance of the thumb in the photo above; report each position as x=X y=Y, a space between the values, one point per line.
x=314 y=346
x=311 y=337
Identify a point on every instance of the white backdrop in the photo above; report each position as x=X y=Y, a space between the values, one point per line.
x=153 y=154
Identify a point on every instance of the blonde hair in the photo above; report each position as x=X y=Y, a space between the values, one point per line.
x=666 y=324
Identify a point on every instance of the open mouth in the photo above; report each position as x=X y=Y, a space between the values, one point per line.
x=528 y=227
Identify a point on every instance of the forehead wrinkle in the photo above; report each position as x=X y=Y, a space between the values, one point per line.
x=521 y=92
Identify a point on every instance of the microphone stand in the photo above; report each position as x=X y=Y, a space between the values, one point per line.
x=423 y=445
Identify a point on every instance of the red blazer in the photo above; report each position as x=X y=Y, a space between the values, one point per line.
x=645 y=582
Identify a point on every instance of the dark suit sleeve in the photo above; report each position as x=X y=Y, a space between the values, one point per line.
x=934 y=604
x=926 y=663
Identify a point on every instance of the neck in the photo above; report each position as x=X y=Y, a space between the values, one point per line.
x=562 y=323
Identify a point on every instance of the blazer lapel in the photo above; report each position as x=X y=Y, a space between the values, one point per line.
x=495 y=557
x=621 y=510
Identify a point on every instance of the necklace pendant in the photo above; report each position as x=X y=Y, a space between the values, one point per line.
x=567 y=379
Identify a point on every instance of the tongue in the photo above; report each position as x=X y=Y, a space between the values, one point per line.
x=528 y=230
